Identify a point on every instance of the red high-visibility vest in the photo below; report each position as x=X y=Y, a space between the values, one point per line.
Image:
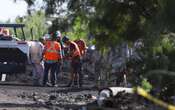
x=52 y=51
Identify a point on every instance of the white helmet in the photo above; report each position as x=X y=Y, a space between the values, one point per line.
x=58 y=34
x=46 y=37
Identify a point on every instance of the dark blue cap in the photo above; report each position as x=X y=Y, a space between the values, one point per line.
x=65 y=38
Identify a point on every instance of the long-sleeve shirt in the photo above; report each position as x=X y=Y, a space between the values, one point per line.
x=36 y=49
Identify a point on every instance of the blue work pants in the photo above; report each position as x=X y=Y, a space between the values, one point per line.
x=52 y=67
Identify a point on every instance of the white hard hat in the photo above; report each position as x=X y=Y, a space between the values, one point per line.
x=46 y=37
x=58 y=34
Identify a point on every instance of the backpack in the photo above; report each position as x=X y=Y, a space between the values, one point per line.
x=81 y=45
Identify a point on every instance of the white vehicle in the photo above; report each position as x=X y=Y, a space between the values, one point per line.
x=14 y=50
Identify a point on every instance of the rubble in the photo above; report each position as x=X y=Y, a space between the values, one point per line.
x=49 y=98
x=121 y=101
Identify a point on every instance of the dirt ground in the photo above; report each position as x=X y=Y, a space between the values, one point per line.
x=44 y=98
x=14 y=97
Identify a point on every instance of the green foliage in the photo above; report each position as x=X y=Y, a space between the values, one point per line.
x=127 y=22
x=35 y=25
x=131 y=20
x=79 y=30
x=146 y=85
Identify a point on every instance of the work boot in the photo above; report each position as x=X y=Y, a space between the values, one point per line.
x=70 y=83
x=56 y=85
x=49 y=84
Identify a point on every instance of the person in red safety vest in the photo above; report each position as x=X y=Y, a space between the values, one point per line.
x=83 y=48
x=74 y=55
x=52 y=55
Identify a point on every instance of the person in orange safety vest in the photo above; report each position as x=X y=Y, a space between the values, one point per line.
x=52 y=55
x=74 y=55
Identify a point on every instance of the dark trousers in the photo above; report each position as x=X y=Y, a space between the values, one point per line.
x=76 y=70
x=58 y=70
x=52 y=67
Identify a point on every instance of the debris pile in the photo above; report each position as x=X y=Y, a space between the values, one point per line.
x=125 y=101
x=65 y=100
x=122 y=101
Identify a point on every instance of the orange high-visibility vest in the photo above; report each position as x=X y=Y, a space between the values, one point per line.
x=76 y=51
x=52 y=51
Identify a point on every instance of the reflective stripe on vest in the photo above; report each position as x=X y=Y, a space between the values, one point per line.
x=52 y=51
x=52 y=48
